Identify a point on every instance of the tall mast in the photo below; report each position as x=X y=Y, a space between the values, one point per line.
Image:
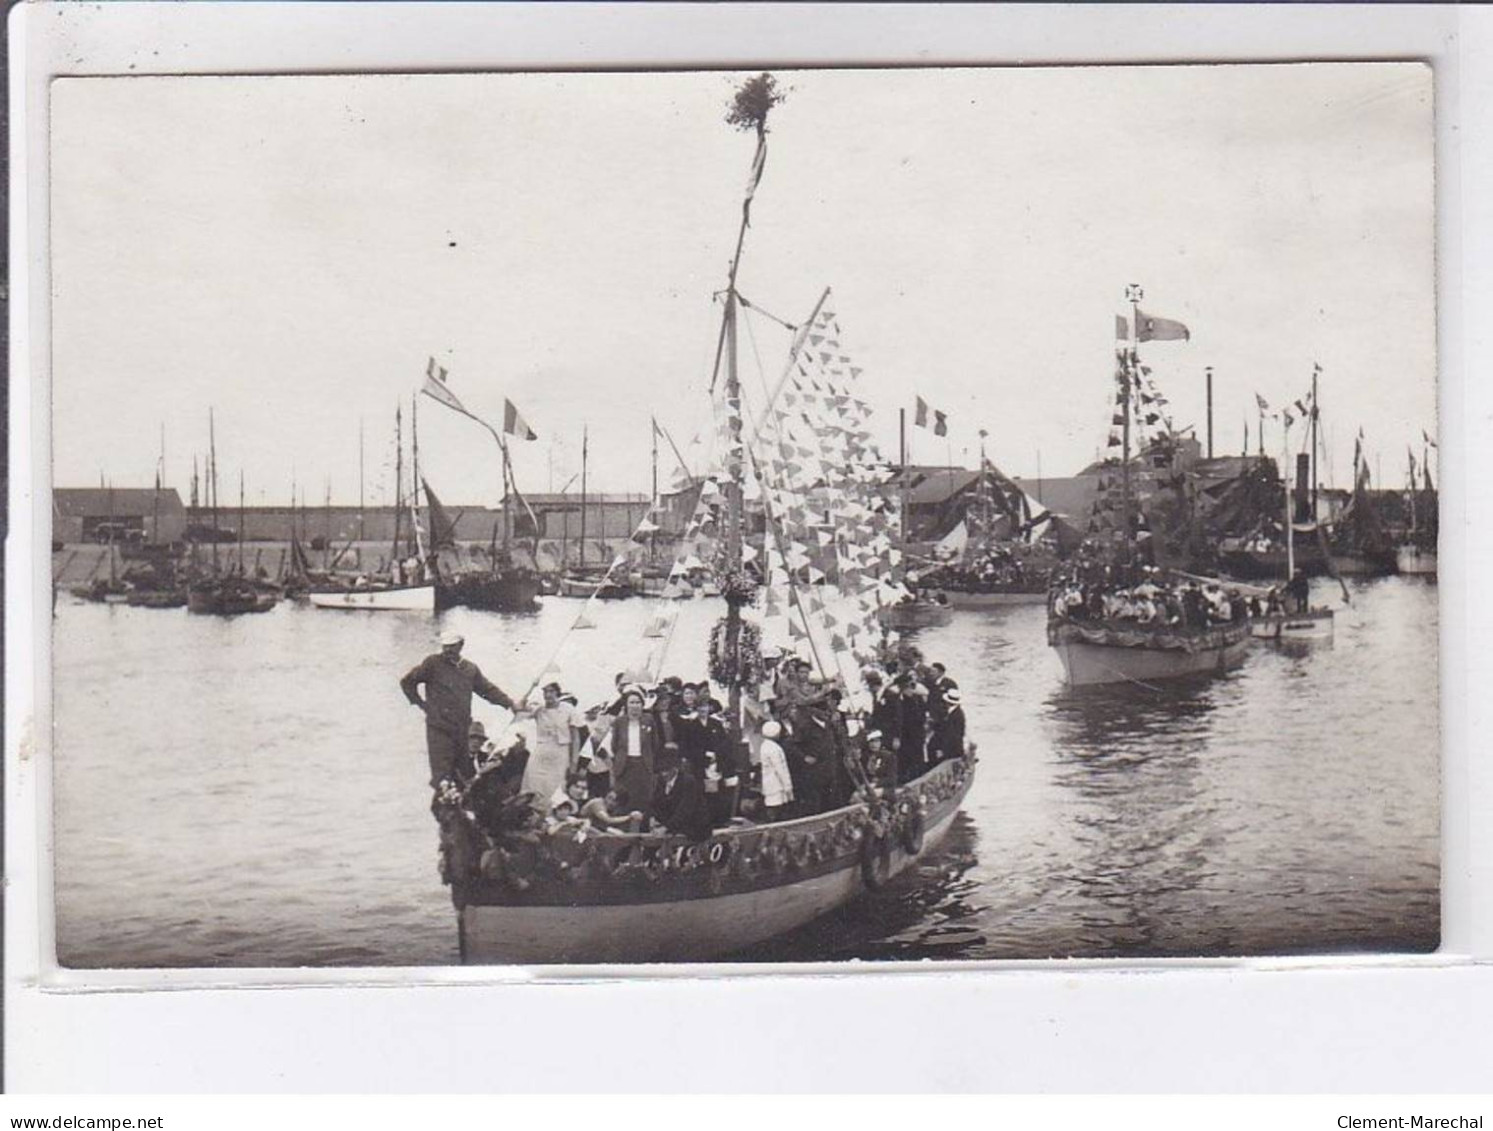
x=241 y=522
x=362 y=512
x=415 y=481
x=1134 y=293
x=902 y=476
x=507 y=478
x=653 y=501
x=398 y=480
x=212 y=462
x=752 y=104
x=1316 y=478
x=1285 y=459
x=584 y=443
x=113 y=569
x=327 y=525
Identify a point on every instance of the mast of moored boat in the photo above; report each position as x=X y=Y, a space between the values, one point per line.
x=1316 y=476
x=241 y=522
x=398 y=489
x=1134 y=293
x=653 y=496
x=415 y=481
x=212 y=483
x=584 y=447
x=1285 y=457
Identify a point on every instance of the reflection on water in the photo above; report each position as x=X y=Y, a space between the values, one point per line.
x=251 y=791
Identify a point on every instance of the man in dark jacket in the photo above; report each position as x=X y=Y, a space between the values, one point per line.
x=680 y=805
x=449 y=682
x=818 y=755
x=912 y=757
x=948 y=738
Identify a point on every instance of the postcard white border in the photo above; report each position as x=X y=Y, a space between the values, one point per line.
x=1060 y=1026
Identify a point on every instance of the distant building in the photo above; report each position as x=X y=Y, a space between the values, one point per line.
x=120 y=514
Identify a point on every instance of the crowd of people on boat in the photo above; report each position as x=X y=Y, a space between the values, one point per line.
x=1143 y=595
x=659 y=757
x=994 y=569
x=1094 y=591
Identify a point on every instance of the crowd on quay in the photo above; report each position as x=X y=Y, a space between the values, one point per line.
x=660 y=757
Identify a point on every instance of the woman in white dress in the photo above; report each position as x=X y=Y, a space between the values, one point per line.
x=555 y=747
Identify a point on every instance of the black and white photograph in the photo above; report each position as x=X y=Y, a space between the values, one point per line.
x=593 y=518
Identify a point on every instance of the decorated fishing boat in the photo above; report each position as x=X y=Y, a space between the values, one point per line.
x=556 y=890
x=1094 y=646
x=1359 y=544
x=1290 y=616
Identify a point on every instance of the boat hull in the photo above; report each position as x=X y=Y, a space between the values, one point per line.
x=919 y=614
x=157 y=599
x=588 y=587
x=1313 y=626
x=405 y=598
x=713 y=917
x=1415 y=561
x=1088 y=662
x=961 y=600
x=509 y=593
x=211 y=602
x=1363 y=565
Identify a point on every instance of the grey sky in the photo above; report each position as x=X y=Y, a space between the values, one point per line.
x=291 y=250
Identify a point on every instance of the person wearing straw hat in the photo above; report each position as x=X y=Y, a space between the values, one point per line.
x=948 y=737
x=449 y=683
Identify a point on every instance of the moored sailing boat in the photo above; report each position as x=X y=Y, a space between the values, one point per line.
x=1296 y=618
x=1416 y=555
x=502 y=584
x=1094 y=647
x=405 y=588
x=226 y=591
x=567 y=895
x=916 y=607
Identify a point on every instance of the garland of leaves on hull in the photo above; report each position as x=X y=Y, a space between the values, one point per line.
x=1165 y=638
x=519 y=857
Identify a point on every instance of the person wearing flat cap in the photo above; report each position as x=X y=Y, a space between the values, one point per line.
x=449 y=683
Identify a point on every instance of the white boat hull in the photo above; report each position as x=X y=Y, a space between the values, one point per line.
x=405 y=598
x=1415 y=561
x=1313 y=626
x=1089 y=665
x=688 y=930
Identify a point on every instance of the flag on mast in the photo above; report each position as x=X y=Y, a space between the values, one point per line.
x=435 y=388
x=920 y=413
x=940 y=423
x=514 y=424
x=1152 y=329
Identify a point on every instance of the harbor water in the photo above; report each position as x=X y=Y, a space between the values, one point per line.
x=252 y=791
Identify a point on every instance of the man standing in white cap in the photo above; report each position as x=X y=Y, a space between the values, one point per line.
x=449 y=682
